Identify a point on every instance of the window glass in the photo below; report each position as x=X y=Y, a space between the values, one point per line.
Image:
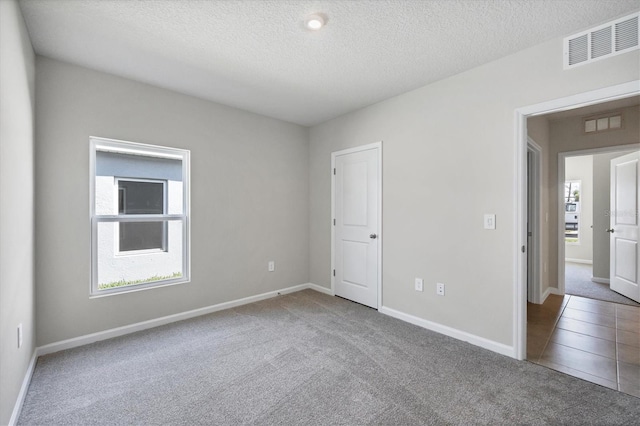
x=141 y=197
x=572 y=211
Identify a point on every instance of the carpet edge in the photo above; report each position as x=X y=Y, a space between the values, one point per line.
x=482 y=342
x=156 y=322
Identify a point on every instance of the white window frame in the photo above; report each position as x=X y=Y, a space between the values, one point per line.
x=116 y=185
x=134 y=148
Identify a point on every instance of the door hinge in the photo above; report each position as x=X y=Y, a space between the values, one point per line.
x=334 y=170
x=334 y=272
x=334 y=222
x=523 y=249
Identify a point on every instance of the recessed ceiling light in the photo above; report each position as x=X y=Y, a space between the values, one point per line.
x=314 y=22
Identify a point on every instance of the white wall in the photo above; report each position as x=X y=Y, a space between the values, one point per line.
x=249 y=197
x=447 y=145
x=580 y=168
x=17 y=71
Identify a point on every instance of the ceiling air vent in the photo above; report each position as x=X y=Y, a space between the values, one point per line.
x=613 y=38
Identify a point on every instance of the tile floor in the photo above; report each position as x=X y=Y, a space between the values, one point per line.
x=587 y=338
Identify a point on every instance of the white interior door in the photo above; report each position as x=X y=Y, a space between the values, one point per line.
x=357 y=236
x=625 y=256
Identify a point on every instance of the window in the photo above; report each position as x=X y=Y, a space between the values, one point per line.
x=139 y=216
x=141 y=197
x=572 y=211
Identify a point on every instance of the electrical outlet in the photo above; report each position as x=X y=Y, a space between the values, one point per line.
x=419 y=284
x=440 y=289
x=19 y=335
x=272 y=266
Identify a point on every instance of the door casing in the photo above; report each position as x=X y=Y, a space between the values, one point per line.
x=534 y=282
x=606 y=94
x=378 y=147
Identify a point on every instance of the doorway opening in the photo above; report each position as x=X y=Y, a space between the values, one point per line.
x=563 y=320
x=584 y=255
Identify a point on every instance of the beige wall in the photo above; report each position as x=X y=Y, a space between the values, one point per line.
x=249 y=197
x=448 y=158
x=17 y=70
x=567 y=135
x=580 y=168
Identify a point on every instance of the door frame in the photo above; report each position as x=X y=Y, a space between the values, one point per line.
x=606 y=94
x=562 y=156
x=378 y=147
x=534 y=285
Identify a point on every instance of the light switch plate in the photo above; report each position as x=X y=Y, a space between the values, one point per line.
x=419 y=284
x=489 y=221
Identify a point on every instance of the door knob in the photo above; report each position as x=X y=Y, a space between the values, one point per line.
x=373 y=236
x=611 y=231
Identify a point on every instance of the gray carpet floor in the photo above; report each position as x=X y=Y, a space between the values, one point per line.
x=577 y=282
x=304 y=359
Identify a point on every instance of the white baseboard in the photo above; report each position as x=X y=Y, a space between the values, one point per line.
x=584 y=261
x=548 y=291
x=144 y=325
x=17 y=408
x=451 y=332
x=321 y=289
x=601 y=280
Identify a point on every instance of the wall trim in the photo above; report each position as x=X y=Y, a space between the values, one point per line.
x=601 y=280
x=17 y=408
x=533 y=210
x=583 y=261
x=451 y=332
x=144 y=325
x=321 y=289
x=548 y=291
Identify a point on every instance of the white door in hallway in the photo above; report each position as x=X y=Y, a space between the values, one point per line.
x=625 y=256
x=357 y=239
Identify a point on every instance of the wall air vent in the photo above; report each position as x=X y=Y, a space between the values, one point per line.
x=610 y=39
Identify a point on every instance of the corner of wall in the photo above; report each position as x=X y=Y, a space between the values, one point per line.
x=17 y=225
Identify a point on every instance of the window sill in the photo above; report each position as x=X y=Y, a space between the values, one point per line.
x=137 y=287
x=139 y=252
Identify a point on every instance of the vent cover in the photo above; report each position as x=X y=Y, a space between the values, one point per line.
x=613 y=38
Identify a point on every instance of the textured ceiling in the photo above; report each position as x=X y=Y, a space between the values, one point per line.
x=257 y=56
